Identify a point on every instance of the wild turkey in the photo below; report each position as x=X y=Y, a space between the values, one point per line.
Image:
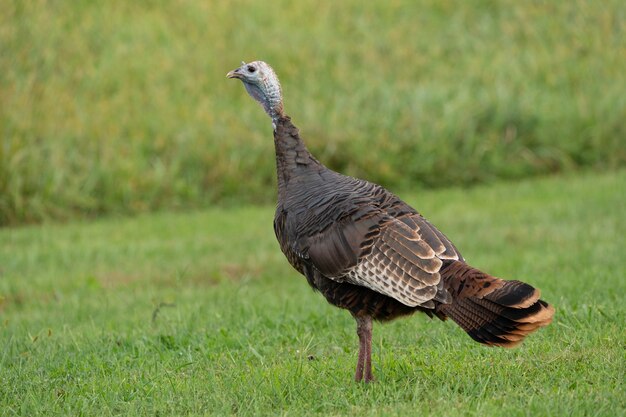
x=372 y=254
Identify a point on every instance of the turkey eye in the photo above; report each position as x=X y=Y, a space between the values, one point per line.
x=251 y=69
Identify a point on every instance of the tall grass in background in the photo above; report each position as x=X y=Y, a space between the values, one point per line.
x=117 y=107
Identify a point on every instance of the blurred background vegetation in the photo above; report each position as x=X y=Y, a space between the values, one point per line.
x=123 y=107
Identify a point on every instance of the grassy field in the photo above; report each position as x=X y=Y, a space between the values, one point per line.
x=116 y=106
x=192 y=314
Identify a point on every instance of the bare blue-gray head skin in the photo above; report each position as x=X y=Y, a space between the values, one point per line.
x=262 y=84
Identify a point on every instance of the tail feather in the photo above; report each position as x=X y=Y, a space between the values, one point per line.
x=489 y=332
x=485 y=326
x=515 y=294
x=539 y=311
x=493 y=311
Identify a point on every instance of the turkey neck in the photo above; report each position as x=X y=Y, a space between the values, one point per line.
x=293 y=159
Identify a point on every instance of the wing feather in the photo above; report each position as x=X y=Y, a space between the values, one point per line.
x=394 y=261
x=385 y=246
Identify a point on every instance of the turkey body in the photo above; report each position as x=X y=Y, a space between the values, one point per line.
x=368 y=252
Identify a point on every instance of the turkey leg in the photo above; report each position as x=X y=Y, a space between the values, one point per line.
x=364 y=363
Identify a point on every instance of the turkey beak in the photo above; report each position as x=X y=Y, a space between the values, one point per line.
x=234 y=74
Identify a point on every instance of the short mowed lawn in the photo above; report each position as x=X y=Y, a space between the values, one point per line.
x=199 y=314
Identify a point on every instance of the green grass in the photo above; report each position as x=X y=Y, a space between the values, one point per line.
x=116 y=106
x=80 y=333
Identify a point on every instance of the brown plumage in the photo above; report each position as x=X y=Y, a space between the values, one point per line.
x=372 y=254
